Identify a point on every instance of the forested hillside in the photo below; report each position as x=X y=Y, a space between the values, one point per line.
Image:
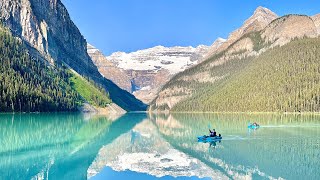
x=29 y=84
x=283 y=79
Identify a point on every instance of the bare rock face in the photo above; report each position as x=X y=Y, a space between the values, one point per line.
x=47 y=27
x=20 y=18
x=152 y=82
x=316 y=20
x=214 y=47
x=108 y=69
x=258 y=21
x=286 y=28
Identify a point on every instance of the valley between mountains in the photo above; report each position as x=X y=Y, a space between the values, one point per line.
x=269 y=64
x=258 y=68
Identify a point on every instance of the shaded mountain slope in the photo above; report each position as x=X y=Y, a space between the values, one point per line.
x=46 y=26
x=28 y=84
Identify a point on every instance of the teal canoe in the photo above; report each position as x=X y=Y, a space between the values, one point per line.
x=208 y=138
x=251 y=126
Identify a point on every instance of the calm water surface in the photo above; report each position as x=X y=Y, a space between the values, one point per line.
x=141 y=146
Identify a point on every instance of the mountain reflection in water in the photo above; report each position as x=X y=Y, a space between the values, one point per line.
x=286 y=146
x=141 y=146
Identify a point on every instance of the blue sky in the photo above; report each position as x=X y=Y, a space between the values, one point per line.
x=130 y=25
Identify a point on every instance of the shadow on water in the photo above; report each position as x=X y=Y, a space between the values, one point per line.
x=55 y=146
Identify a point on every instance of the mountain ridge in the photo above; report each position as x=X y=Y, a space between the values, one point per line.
x=259 y=20
x=230 y=59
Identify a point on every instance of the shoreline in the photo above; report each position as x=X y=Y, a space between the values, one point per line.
x=251 y=113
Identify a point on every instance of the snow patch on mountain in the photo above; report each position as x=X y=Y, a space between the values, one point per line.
x=174 y=59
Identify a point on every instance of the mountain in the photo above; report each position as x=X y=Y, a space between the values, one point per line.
x=27 y=84
x=268 y=69
x=286 y=28
x=50 y=34
x=47 y=27
x=214 y=47
x=144 y=72
x=258 y=21
x=108 y=69
x=316 y=19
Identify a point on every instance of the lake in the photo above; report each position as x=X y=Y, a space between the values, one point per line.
x=141 y=146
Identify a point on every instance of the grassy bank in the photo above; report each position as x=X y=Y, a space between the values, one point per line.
x=90 y=92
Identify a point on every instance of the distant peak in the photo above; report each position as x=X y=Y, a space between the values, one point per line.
x=159 y=47
x=90 y=46
x=261 y=15
x=263 y=11
x=91 y=49
x=219 y=39
x=260 y=8
x=201 y=46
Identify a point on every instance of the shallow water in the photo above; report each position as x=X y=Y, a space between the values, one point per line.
x=139 y=146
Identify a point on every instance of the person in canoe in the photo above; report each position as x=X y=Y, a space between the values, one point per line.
x=255 y=124
x=213 y=133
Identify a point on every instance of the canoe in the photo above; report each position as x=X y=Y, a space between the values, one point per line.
x=208 y=139
x=251 y=126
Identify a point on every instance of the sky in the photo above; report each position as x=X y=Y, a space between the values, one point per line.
x=131 y=25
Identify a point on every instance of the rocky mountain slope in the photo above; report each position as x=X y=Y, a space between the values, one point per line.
x=214 y=47
x=144 y=72
x=232 y=59
x=316 y=19
x=258 y=21
x=108 y=69
x=47 y=29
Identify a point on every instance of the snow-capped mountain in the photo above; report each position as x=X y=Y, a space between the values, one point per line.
x=174 y=59
x=147 y=70
x=144 y=72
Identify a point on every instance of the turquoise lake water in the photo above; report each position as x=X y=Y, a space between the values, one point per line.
x=141 y=146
